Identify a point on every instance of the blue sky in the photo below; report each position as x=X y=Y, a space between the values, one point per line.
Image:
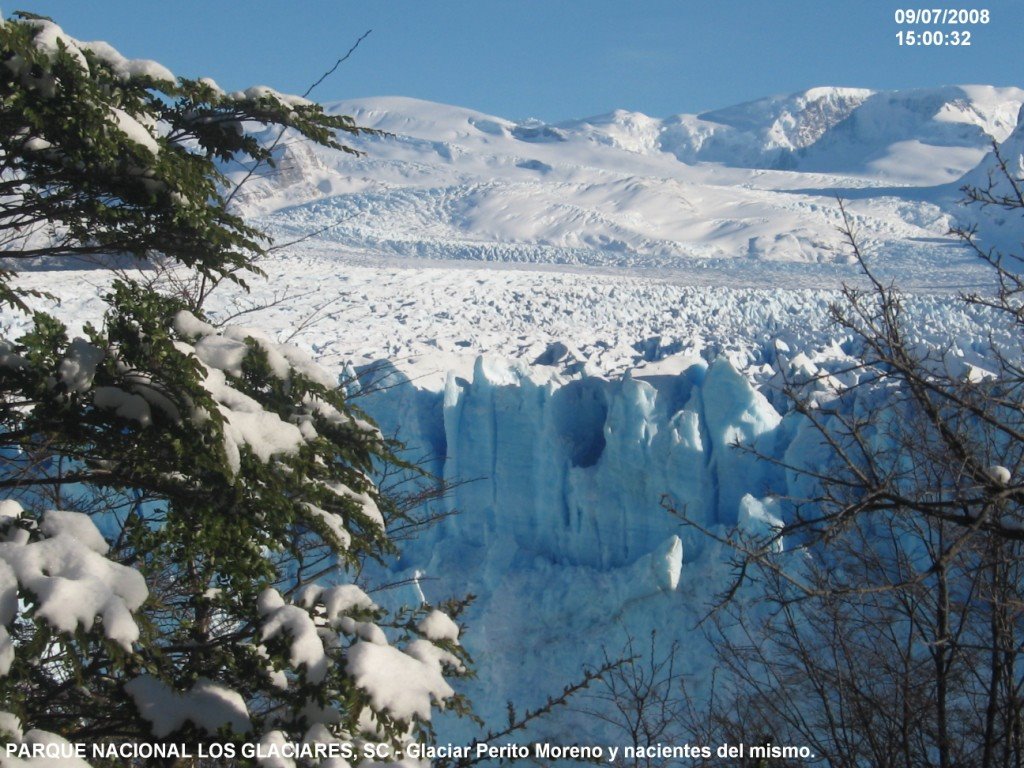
x=555 y=59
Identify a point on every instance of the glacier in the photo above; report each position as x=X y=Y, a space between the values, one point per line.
x=563 y=442
x=561 y=490
x=573 y=324
x=564 y=484
x=577 y=471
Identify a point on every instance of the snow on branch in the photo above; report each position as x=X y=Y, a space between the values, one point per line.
x=58 y=566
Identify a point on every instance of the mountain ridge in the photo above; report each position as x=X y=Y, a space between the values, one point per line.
x=756 y=182
x=787 y=122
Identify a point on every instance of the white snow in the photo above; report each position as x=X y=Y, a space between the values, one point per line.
x=271 y=742
x=222 y=353
x=36 y=144
x=75 y=525
x=8 y=610
x=247 y=423
x=78 y=369
x=9 y=508
x=10 y=726
x=49 y=35
x=208 y=705
x=135 y=131
x=263 y=91
x=761 y=519
x=757 y=181
x=397 y=682
x=70 y=581
x=128 y=68
x=367 y=506
x=342 y=598
x=999 y=474
x=124 y=404
x=189 y=325
x=334 y=524
x=8 y=358
x=437 y=625
x=307 y=648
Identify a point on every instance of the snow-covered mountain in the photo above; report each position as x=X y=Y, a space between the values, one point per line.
x=758 y=182
x=847 y=130
x=917 y=136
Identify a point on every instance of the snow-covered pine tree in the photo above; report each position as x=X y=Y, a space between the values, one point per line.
x=181 y=505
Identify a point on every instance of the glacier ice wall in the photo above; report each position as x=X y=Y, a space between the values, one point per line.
x=560 y=485
x=580 y=471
